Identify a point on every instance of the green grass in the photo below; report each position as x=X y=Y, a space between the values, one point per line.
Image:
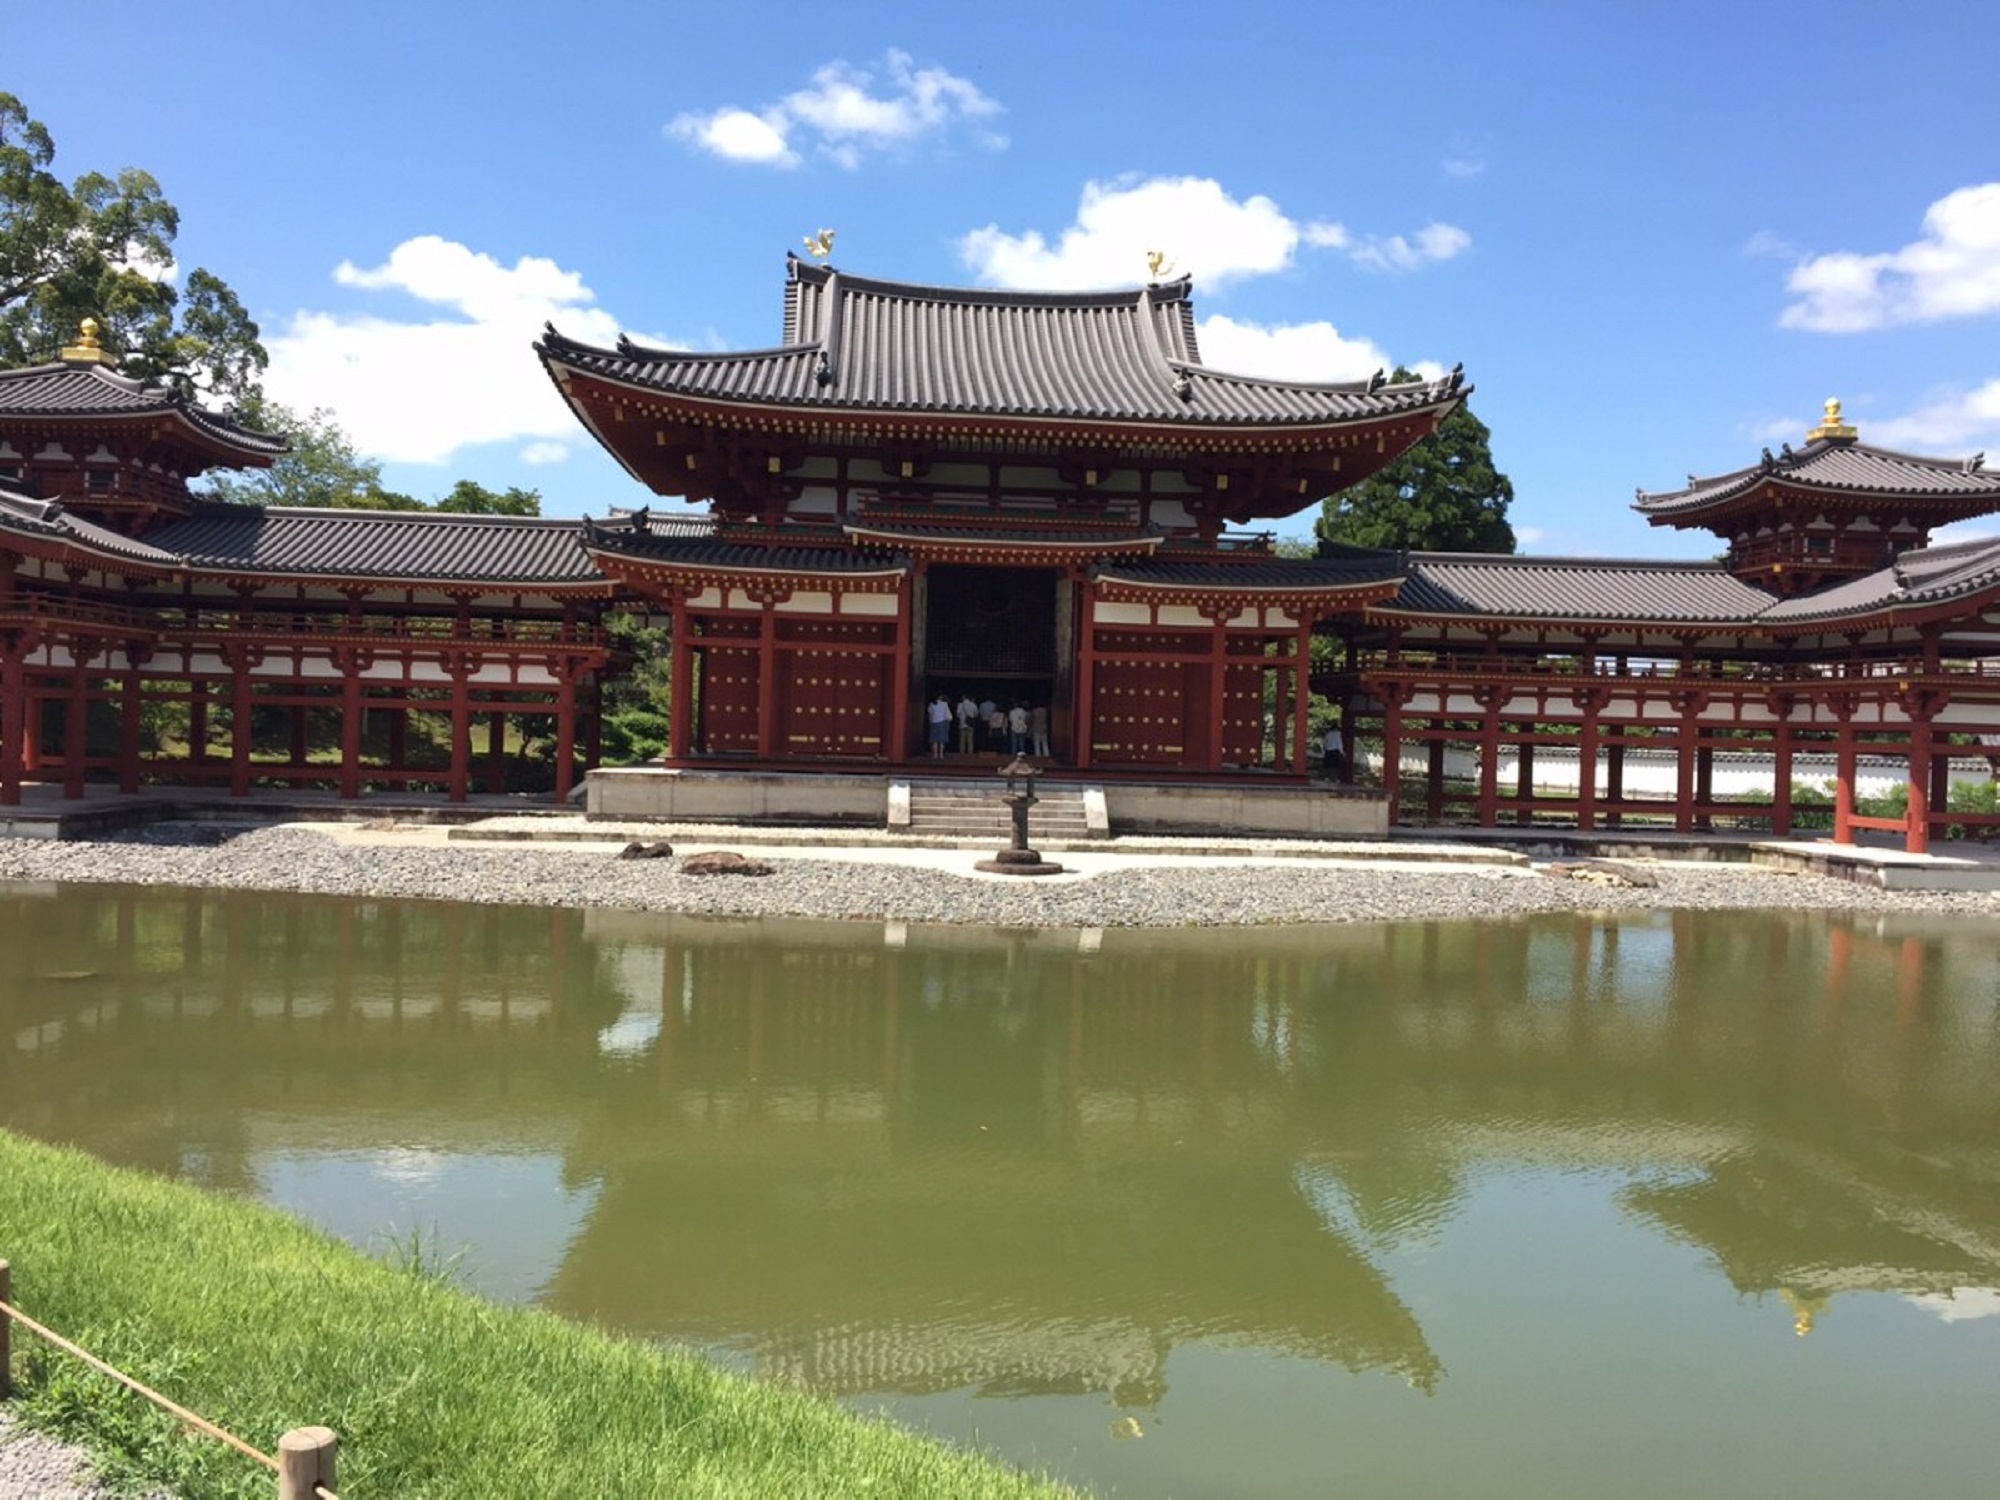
x=262 y=1324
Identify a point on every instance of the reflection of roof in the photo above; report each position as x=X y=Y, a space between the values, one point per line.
x=1125 y=356
x=47 y=518
x=96 y=390
x=1575 y=588
x=1835 y=467
x=421 y=547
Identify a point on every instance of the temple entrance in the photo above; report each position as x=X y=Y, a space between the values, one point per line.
x=999 y=635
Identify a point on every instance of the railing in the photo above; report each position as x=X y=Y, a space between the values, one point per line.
x=306 y=1456
x=48 y=609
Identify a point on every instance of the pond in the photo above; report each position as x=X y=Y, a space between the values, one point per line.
x=1569 y=1205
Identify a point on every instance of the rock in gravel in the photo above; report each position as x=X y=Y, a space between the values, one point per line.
x=1605 y=872
x=723 y=862
x=640 y=849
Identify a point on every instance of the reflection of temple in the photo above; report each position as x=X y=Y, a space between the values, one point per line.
x=921 y=1160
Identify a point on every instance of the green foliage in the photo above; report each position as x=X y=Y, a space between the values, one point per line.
x=102 y=247
x=469 y=499
x=634 y=737
x=320 y=469
x=1444 y=495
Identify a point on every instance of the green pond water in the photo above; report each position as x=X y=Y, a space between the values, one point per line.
x=1635 y=1205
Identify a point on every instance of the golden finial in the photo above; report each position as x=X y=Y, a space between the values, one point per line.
x=1157 y=264
x=85 y=351
x=1804 y=1308
x=820 y=246
x=1833 y=428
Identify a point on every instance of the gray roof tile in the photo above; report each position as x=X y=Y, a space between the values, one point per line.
x=78 y=390
x=47 y=518
x=1837 y=467
x=1569 y=588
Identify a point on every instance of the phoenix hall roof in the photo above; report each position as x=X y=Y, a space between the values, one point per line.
x=74 y=390
x=854 y=344
x=1835 y=467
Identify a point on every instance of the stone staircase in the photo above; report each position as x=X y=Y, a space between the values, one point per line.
x=974 y=810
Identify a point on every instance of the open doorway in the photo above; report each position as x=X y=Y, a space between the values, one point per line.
x=994 y=636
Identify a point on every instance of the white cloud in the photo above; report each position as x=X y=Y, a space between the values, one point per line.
x=1289 y=351
x=1428 y=246
x=738 y=135
x=1208 y=234
x=1950 y=422
x=1953 y=271
x=460 y=372
x=848 y=112
x=538 y=454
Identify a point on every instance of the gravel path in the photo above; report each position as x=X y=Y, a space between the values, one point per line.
x=33 y=1467
x=921 y=885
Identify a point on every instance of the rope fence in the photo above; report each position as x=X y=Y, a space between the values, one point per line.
x=305 y=1460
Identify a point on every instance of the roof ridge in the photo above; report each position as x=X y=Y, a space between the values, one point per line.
x=1574 y=560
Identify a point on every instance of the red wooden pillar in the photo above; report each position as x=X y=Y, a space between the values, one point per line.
x=1687 y=741
x=353 y=717
x=239 y=736
x=1591 y=702
x=1302 y=693
x=1083 y=721
x=1434 y=779
x=566 y=732
x=1489 y=759
x=1614 y=778
x=767 y=681
x=899 y=705
x=1843 y=784
x=1781 y=782
x=1917 y=821
x=130 y=708
x=76 y=721
x=1218 y=684
x=1392 y=749
x=680 y=685
x=459 y=778
x=13 y=719
x=197 y=721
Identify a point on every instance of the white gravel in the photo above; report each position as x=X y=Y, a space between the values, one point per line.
x=917 y=885
x=34 y=1467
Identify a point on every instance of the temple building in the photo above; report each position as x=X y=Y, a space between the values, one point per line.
x=1038 y=501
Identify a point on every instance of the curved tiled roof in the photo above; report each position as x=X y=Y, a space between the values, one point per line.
x=688 y=546
x=854 y=344
x=1927 y=576
x=398 y=545
x=1575 y=588
x=48 y=519
x=1837 y=466
x=1282 y=573
x=95 y=390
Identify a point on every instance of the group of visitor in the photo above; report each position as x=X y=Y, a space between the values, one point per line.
x=1022 y=728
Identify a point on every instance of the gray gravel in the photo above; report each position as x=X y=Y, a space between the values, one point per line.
x=34 y=1467
x=1209 y=894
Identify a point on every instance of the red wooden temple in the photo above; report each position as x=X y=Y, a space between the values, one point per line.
x=1037 y=498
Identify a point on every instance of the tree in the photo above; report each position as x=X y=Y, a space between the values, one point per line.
x=1444 y=495
x=471 y=499
x=102 y=247
x=320 y=468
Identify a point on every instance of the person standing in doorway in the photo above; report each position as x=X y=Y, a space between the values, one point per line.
x=1038 y=726
x=968 y=722
x=996 y=729
x=940 y=717
x=1017 y=727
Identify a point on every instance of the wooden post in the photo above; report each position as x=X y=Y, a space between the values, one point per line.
x=1917 y=819
x=1843 y=785
x=460 y=775
x=1392 y=750
x=680 y=682
x=239 y=729
x=6 y=1334
x=1586 y=763
x=306 y=1457
x=76 y=724
x=130 y=704
x=1524 y=785
x=566 y=734
x=353 y=717
x=1781 y=783
x=13 y=724
x=1434 y=778
x=1084 y=722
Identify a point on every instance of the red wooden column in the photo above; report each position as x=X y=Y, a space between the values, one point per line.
x=496 y=754
x=566 y=730
x=1218 y=682
x=1843 y=778
x=899 y=705
x=1392 y=747
x=239 y=731
x=1917 y=821
x=1689 y=703
x=76 y=718
x=1302 y=692
x=353 y=715
x=1434 y=779
x=1524 y=782
x=460 y=775
x=1781 y=776
x=130 y=705
x=767 y=679
x=13 y=716
x=1489 y=700
x=1083 y=722
x=680 y=703
x=1591 y=701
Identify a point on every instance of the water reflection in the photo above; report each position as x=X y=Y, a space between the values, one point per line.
x=912 y=1161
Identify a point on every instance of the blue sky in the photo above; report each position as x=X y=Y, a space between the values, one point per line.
x=1658 y=237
